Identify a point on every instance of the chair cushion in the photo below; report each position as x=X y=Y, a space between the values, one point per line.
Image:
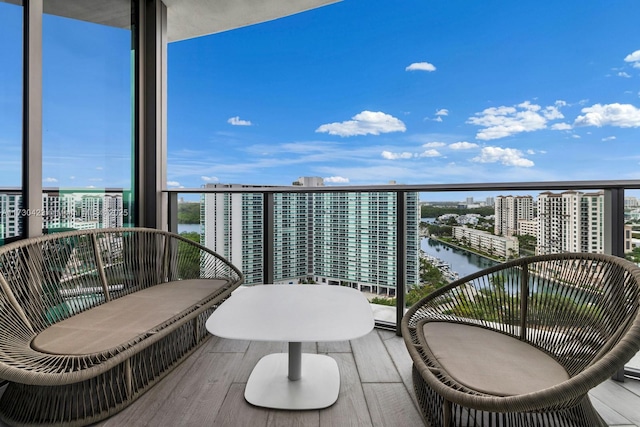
x=491 y=362
x=117 y=322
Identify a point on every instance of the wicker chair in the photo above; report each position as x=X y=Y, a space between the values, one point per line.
x=92 y=319
x=522 y=343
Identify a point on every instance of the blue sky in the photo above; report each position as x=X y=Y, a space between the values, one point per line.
x=412 y=91
x=358 y=92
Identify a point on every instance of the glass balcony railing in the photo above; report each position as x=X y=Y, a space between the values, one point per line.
x=65 y=209
x=407 y=252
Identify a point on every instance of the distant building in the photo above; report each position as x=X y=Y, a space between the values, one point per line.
x=631 y=202
x=334 y=238
x=528 y=227
x=502 y=247
x=112 y=211
x=10 y=218
x=59 y=210
x=508 y=211
x=628 y=238
x=571 y=221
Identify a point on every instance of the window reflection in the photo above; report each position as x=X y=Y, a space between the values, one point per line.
x=10 y=120
x=88 y=66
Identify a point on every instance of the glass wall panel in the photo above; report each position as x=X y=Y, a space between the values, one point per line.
x=88 y=69
x=10 y=119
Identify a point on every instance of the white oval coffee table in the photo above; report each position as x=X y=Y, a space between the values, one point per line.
x=296 y=314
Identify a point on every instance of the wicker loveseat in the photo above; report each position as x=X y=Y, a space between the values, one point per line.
x=90 y=320
x=522 y=343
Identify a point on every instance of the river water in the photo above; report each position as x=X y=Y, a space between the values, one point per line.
x=461 y=261
x=188 y=228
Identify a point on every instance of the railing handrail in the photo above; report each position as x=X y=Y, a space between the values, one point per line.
x=456 y=187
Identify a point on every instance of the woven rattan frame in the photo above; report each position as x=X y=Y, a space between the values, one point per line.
x=47 y=279
x=581 y=309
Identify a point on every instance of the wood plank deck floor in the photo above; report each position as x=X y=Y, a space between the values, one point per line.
x=207 y=389
x=376 y=389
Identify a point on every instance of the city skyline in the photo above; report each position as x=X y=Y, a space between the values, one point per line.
x=357 y=93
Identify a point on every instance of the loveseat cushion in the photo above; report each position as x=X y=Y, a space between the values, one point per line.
x=491 y=362
x=117 y=322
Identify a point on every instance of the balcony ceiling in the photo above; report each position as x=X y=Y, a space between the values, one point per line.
x=194 y=18
x=186 y=19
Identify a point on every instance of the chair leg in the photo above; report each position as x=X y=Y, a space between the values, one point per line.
x=446 y=413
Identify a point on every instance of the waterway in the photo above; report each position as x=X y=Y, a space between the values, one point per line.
x=461 y=261
x=188 y=228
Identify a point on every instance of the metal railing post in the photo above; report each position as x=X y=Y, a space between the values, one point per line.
x=614 y=234
x=401 y=256
x=614 y=221
x=172 y=214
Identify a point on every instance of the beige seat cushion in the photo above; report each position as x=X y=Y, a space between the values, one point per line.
x=491 y=362
x=112 y=324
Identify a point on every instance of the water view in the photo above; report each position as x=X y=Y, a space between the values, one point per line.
x=461 y=261
x=188 y=228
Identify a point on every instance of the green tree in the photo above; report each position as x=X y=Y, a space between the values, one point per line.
x=189 y=213
x=527 y=244
x=436 y=211
x=189 y=257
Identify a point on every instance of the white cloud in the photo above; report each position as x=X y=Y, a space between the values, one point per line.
x=619 y=115
x=609 y=138
x=624 y=74
x=442 y=112
x=438 y=119
x=503 y=121
x=364 y=123
x=421 y=66
x=173 y=184
x=434 y=144
x=462 y=145
x=336 y=180
x=237 y=121
x=552 y=113
x=430 y=153
x=99 y=168
x=395 y=156
x=209 y=178
x=506 y=156
x=561 y=126
x=634 y=58
x=49 y=179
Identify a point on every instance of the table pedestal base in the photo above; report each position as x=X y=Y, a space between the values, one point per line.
x=269 y=385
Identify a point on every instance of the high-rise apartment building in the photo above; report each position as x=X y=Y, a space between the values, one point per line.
x=571 y=221
x=104 y=210
x=113 y=211
x=10 y=206
x=59 y=210
x=334 y=238
x=509 y=210
x=232 y=224
x=355 y=240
